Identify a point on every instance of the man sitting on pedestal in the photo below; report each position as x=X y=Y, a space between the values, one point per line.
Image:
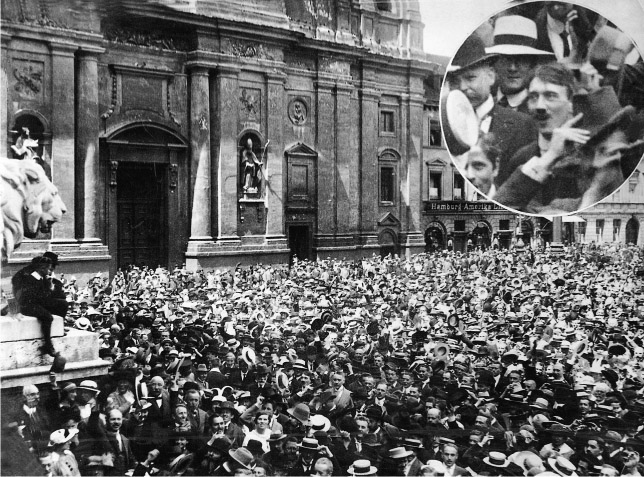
x=36 y=296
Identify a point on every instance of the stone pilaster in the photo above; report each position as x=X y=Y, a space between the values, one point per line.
x=200 y=155
x=227 y=160
x=63 y=156
x=347 y=163
x=4 y=100
x=368 y=171
x=326 y=133
x=87 y=131
x=274 y=161
x=411 y=174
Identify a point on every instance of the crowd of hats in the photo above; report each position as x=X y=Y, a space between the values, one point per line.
x=457 y=314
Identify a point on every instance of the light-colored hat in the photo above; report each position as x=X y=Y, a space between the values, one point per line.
x=320 y=423
x=562 y=466
x=399 y=453
x=243 y=456
x=515 y=35
x=362 y=467
x=61 y=436
x=496 y=459
x=88 y=385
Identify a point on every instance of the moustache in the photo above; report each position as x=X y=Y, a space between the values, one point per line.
x=541 y=116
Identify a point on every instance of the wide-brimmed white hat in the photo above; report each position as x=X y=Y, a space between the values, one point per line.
x=515 y=35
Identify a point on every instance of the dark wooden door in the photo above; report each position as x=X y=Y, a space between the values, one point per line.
x=141 y=209
x=299 y=241
x=632 y=231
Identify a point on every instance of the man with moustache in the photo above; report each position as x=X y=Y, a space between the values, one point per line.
x=576 y=160
x=472 y=72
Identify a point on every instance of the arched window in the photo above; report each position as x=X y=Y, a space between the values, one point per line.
x=388 y=177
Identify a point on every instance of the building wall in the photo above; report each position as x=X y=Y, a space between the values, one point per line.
x=334 y=84
x=622 y=214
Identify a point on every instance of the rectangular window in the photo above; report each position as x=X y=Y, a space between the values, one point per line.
x=435 y=137
x=387 y=185
x=432 y=129
x=387 y=125
x=504 y=224
x=599 y=227
x=435 y=183
x=459 y=187
x=459 y=226
x=582 y=229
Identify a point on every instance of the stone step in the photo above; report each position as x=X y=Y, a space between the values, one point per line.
x=77 y=346
x=21 y=327
x=40 y=374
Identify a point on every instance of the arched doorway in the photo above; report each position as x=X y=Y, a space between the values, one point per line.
x=527 y=229
x=147 y=200
x=632 y=231
x=388 y=243
x=481 y=234
x=545 y=231
x=435 y=237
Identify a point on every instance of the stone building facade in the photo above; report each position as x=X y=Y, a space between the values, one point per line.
x=618 y=218
x=213 y=132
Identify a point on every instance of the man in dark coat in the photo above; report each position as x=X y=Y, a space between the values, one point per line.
x=472 y=73
x=38 y=296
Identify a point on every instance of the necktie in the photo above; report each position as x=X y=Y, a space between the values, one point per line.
x=566 y=46
x=503 y=102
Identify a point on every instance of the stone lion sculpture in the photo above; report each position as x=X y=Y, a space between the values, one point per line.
x=30 y=202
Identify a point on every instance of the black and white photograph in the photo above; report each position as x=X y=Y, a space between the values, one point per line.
x=553 y=94
x=321 y=238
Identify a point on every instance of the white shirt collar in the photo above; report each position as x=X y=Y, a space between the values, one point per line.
x=555 y=25
x=29 y=410
x=544 y=144
x=514 y=100
x=485 y=108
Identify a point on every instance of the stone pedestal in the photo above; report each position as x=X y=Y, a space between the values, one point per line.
x=556 y=247
x=22 y=363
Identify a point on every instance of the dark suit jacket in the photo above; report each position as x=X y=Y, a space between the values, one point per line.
x=460 y=471
x=199 y=421
x=522 y=193
x=124 y=457
x=582 y=30
x=512 y=131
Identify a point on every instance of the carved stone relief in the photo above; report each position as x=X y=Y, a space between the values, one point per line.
x=28 y=77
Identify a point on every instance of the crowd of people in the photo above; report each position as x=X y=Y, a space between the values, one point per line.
x=491 y=362
x=556 y=93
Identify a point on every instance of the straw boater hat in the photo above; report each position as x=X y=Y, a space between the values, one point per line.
x=515 y=35
x=399 y=453
x=496 y=459
x=309 y=444
x=362 y=467
x=562 y=466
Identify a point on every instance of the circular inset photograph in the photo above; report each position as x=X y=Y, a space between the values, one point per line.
x=542 y=108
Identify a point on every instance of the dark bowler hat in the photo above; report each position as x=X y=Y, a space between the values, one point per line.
x=471 y=53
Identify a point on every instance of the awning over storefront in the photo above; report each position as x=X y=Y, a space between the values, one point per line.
x=566 y=218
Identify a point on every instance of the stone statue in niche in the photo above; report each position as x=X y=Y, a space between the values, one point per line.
x=251 y=169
